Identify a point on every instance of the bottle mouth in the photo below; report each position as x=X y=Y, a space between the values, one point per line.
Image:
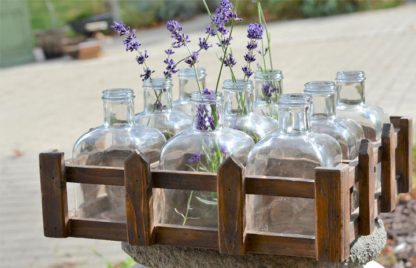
x=158 y=83
x=207 y=97
x=189 y=73
x=295 y=99
x=269 y=74
x=117 y=94
x=238 y=85
x=319 y=87
x=350 y=76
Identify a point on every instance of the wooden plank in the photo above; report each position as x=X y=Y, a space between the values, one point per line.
x=280 y=186
x=332 y=209
x=388 y=169
x=95 y=175
x=137 y=179
x=366 y=187
x=186 y=236
x=404 y=155
x=280 y=244
x=184 y=180
x=98 y=229
x=54 y=194
x=231 y=206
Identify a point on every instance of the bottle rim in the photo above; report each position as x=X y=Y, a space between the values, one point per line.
x=189 y=73
x=238 y=85
x=295 y=99
x=118 y=94
x=158 y=83
x=197 y=97
x=274 y=74
x=319 y=87
x=350 y=76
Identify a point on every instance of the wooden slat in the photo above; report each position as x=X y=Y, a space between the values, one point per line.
x=280 y=244
x=196 y=181
x=388 y=169
x=280 y=186
x=366 y=187
x=186 y=236
x=404 y=152
x=231 y=206
x=138 y=197
x=98 y=229
x=332 y=208
x=54 y=194
x=95 y=175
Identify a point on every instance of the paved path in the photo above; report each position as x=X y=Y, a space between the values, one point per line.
x=45 y=106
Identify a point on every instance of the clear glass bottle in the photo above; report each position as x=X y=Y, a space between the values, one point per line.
x=351 y=104
x=292 y=151
x=268 y=85
x=109 y=145
x=347 y=132
x=202 y=148
x=158 y=109
x=238 y=110
x=187 y=84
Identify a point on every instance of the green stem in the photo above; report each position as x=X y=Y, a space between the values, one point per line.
x=188 y=207
x=195 y=71
x=260 y=10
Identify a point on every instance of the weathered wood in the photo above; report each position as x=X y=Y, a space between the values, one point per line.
x=388 y=169
x=280 y=244
x=332 y=208
x=280 y=186
x=184 y=180
x=98 y=229
x=231 y=206
x=95 y=175
x=137 y=179
x=366 y=187
x=186 y=236
x=54 y=195
x=404 y=156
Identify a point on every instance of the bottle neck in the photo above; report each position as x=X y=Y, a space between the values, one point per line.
x=268 y=85
x=238 y=97
x=350 y=93
x=294 y=114
x=189 y=83
x=157 y=95
x=118 y=113
x=206 y=110
x=323 y=106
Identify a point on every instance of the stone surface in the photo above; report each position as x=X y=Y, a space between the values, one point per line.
x=363 y=250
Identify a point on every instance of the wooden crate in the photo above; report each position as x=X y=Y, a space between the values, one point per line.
x=336 y=224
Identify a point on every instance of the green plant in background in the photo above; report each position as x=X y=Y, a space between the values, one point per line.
x=127 y=263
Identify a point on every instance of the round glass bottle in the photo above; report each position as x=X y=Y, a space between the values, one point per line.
x=238 y=110
x=158 y=109
x=351 y=104
x=347 y=132
x=110 y=145
x=187 y=84
x=268 y=85
x=292 y=151
x=202 y=148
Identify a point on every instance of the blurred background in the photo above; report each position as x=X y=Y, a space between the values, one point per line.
x=56 y=56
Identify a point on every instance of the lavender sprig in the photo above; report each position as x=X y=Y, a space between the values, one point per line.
x=254 y=33
x=265 y=50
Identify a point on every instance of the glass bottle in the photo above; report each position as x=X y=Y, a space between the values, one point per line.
x=268 y=85
x=351 y=104
x=238 y=110
x=109 y=145
x=158 y=109
x=347 y=132
x=187 y=84
x=292 y=151
x=202 y=148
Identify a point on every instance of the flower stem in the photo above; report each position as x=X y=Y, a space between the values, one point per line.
x=188 y=207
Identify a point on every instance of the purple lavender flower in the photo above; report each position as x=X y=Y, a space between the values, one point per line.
x=252 y=44
x=120 y=28
x=268 y=89
x=204 y=118
x=169 y=51
x=249 y=57
x=191 y=60
x=203 y=43
x=147 y=73
x=131 y=42
x=221 y=16
x=255 y=31
x=170 y=67
x=142 y=57
x=179 y=38
x=229 y=61
x=247 y=71
x=194 y=158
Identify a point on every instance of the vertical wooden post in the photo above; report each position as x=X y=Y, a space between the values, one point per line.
x=366 y=175
x=54 y=195
x=404 y=155
x=137 y=180
x=388 y=169
x=231 y=206
x=332 y=208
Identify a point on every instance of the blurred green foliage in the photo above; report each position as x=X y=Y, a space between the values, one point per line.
x=47 y=14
